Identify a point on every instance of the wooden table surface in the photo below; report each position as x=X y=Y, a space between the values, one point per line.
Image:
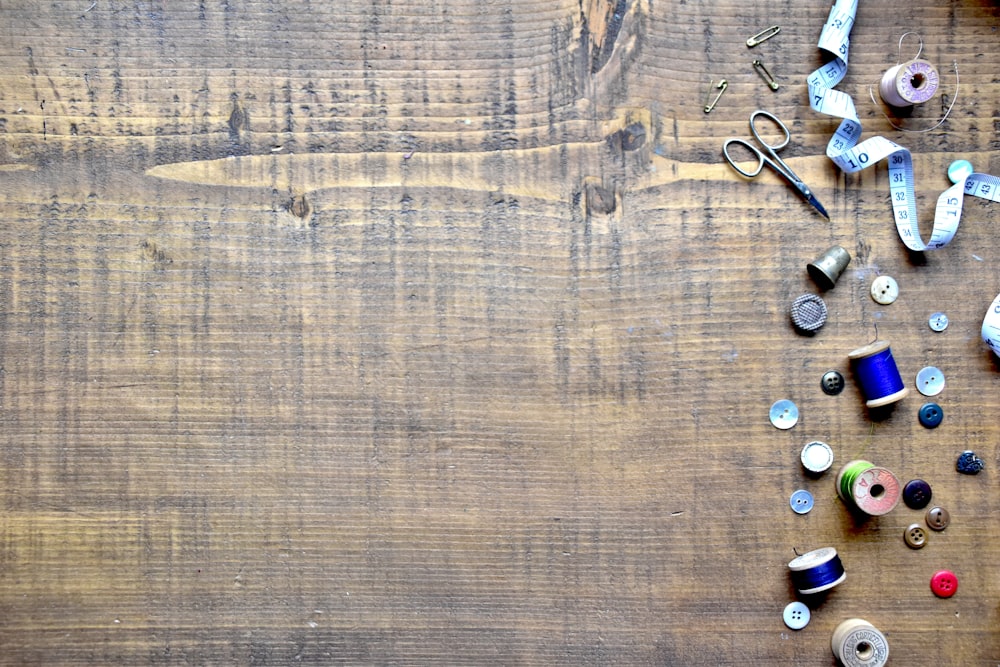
x=439 y=332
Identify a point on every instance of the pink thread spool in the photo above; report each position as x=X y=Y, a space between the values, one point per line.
x=909 y=83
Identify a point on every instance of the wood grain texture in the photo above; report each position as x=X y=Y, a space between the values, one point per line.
x=439 y=333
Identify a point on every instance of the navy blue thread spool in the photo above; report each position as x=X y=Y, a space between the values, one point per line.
x=817 y=571
x=876 y=372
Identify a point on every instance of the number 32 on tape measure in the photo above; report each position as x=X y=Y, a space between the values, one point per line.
x=845 y=151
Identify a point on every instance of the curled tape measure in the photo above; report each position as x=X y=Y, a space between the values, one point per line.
x=851 y=156
x=991 y=326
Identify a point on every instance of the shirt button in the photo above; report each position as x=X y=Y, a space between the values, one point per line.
x=968 y=463
x=930 y=415
x=816 y=456
x=784 y=414
x=915 y=536
x=808 y=312
x=938 y=518
x=884 y=290
x=930 y=381
x=796 y=615
x=832 y=383
x=938 y=322
x=944 y=583
x=801 y=501
x=917 y=494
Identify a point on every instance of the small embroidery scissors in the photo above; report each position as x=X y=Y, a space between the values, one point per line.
x=771 y=159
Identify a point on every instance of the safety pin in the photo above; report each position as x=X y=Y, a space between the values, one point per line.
x=709 y=102
x=763 y=35
x=764 y=74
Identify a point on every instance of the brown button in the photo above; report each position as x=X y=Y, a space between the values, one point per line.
x=915 y=536
x=938 y=518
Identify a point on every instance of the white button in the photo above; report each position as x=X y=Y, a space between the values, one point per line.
x=801 y=501
x=784 y=414
x=938 y=322
x=885 y=290
x=959 y=170
x=796 y=615
x=930 y=381
x=816 y=456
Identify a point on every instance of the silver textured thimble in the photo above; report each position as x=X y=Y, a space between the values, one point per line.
x=826 y=268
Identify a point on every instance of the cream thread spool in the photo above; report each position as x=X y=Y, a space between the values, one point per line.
x=909 y=83
x=857 y=643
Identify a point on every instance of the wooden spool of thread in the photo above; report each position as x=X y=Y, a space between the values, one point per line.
x=876 y=372
x=857 y=643
x=817 y=571
x=909 y=83
x=868 y=488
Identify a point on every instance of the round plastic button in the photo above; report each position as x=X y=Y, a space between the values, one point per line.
x=784 y=414
x=816 y=456
x=801 y=501
x=915 y=536
x=917 y=494
x=930 y=415
x=930 y=381
x=959 y=170
x=832 y=383
x=808 y=312
x=938 y=322
x=944 y=583
x=796 y=615
x=938 y=518
x=885 y=290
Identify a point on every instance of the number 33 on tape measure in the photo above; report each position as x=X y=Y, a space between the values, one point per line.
x=845 y=151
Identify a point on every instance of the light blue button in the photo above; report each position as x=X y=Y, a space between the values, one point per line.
x=801 y=501
x=959 y=170
x=796 y=615
x=784 y=414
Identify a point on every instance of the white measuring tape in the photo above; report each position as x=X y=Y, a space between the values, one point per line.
x=851 y=156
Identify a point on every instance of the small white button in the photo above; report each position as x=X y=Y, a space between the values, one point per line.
x=938 y=322
x=801 y=501
x=796 y=615
x=885 y=290
x=930 y=381
x=784 y=414
x=959 y=170
x=816 y=456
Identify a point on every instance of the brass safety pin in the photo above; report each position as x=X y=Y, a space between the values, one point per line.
x=710 y=103
x=764 y=74
x=763 y=35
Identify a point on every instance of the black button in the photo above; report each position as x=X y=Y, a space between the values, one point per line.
x=969 y=464
x=832 y=383
x=930 y=415
x=917 y=494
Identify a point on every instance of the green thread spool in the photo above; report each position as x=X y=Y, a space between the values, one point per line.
x=866 y=487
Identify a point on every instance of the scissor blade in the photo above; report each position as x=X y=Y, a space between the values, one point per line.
x=811 y=198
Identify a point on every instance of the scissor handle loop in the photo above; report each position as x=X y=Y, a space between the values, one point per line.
x=774 y=119
x=735 y=165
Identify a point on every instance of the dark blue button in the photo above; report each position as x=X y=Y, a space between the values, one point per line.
x=969 y=464
x=917 y=494
x=930 y=414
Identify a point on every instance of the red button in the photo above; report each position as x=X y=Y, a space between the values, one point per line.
x=944 y=583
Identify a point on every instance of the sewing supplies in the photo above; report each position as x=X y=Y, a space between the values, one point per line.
x=784 y=414
x=851 y=156
x=826 y=269
x=763 y=35
x=721 y=87
x=869 y=488
x=910 y=83
x=875 y=370
x=808 y=313
x=968 y=463
x=816 y=457
x=764 y=74
x=817 y=571
x=857 y=643
x=773 y=161
x=991 y=326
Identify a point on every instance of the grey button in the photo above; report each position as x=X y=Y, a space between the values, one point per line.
x=801 y=501
x=885 y=290
x=796 y=615
x=784 y=414
x=938 y=518
x=832 y=383
x=930 y=381
x=938 y=322
x=809 y=312
x=915 y=536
